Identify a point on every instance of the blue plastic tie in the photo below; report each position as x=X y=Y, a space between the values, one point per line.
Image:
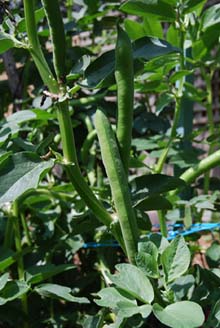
x=196 y=227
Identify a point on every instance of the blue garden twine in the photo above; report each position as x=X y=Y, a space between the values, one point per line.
x=196 y=227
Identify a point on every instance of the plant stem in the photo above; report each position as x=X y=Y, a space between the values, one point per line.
x=8 y=233
x=206 y=164
x=66 y=129
x=18 y=245
x=84 y=101
x=162 y=222
x=87 y=144
x=26 y=230
x=208 y=80
x=179 y=93
x=69 y=6
x=54 y=18
x=35 y=48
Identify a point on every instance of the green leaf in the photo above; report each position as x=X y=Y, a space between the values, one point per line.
x=146 y=259
x=13 y=290
x=111 y=297
x=160 y=242
x=147 y=48
x=172 y=36
x=175 y=259
x=133 y=281
x=213 y=255
x=13 y=123
x=100 y=73
x=127 y=310
x=79 y=67
x=39 y=15
x=164 y=101
x=193 y=5
x=4 y=155
x=59 y=292
x=4 y=280
x=39 y=273
x=134 y=29
x=7 y=257
x=156 y=184
x=160 y=9
x=183 y=314
x=182 y=286
x=179 y=75
x=214 y=317
x=152 y=27
x=150 y=203
x=7 y=42
x=210 y=17
x=20 y=173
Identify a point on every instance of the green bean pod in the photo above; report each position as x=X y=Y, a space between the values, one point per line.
x=118 y=183
x=56 y=27
x=124 y=75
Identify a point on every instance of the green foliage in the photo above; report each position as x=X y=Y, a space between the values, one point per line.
x=130 y=283
x=62 y=191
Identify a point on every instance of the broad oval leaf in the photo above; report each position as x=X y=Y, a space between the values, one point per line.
x=59 y=292
x=183 y=314
x=151 y=203
x=3 y=280
x=159 y=9
x=111 y=297
x=147 y=48
x=127 y=310
x=7 y=41
x=100 y=73
x=175 y=259
x=39 y=273
x=20 y=173
x=13 y=290
x=211 y=17
x=133 y=281
x=146 y=259
x=182 y=286
x=156 y=184
x=12 y=124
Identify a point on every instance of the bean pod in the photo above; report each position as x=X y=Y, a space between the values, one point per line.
x=118 y=183
x=124 y=75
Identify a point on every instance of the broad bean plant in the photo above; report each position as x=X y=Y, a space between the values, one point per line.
x=86 y=136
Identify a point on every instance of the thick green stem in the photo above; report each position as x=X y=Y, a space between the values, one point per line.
x=162 y=222
x=84 y=101
x=35 y=48
x=54 y=18
x=66 y=129
x=206 y=164
x=72 y=166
